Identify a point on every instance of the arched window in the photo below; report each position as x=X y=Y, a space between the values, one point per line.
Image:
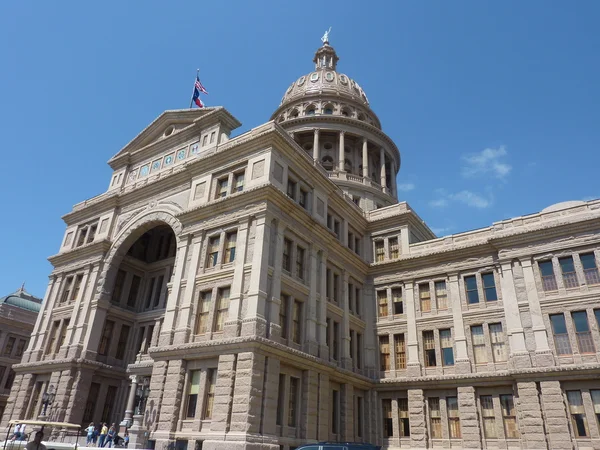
x=310 y=111
x=328 y=109
x=307 y=146
x=361 y=116
x=347 y=165
x=327 y=162
x=346 y=112
x=293 y=113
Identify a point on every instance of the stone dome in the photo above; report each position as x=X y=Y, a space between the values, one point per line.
x=346 y=97
x=563 y=205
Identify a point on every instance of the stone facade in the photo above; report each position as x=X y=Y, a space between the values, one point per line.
x=269 y=290
x=18 y=313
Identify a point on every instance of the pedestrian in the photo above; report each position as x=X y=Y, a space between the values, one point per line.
x=22 y=436
x=90 y=434
x=112 y=432
x=16 y=432
x=96 y=433
x=103 y=433
x=126 y=439
x=36 y=444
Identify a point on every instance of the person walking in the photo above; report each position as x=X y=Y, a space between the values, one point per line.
x=90 y=434
x=112 y=432
x=103 y=433
x=16 y=432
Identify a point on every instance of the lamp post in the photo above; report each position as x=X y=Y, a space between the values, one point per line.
x=142 y=393
x=48 y=398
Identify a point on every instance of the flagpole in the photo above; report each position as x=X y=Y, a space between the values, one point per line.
x=192 y=99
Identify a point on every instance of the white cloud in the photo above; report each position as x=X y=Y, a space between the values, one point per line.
x=486 y=162
x=471 y=199
x=405 y=187
x=466 y=197
x=441 y=231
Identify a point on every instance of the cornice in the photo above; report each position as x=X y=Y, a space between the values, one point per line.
x=86 y=254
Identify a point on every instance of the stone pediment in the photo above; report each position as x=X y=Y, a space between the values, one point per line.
x=165 y=126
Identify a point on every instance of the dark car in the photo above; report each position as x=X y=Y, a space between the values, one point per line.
x=339 y=446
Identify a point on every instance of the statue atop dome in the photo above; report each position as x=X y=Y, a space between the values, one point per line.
x=325 y=38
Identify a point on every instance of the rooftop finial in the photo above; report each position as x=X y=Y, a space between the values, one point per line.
x=325 y=38
x=22 y=287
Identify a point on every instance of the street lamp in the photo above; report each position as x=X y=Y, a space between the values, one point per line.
x=48 y=398
x=142 y=393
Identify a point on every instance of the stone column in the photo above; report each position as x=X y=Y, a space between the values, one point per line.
x=274 y=325
x=78 y=395
x=346 y=356
x=543 y=353
x=324 y=413
x=463 y=365
x=172 y=303
x=342 y=155
x=394 y=181
x=413 y=367
x=310 y=395
x=531 y=423
x=382 y=169
x=80 y=311
x=170 y=405
x=186 y=322
x=128 y=419
x=270 y=396
x=365 y=158
x=231 y=327
x=157 y=386
x=417 y=423
x=555 y=415
x=223 y=393
x=255 y=323
x=347 y=412
x=36 y=343
x=518 y=351
x=323 y=348
x=316 y=149
x=311 y=345
x=469 y=423
x=247 y=393
x=93 y=333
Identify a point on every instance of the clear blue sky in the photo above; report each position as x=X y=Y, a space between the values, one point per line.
x=494 y=105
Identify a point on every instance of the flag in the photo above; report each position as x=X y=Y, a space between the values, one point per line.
x=197 y=89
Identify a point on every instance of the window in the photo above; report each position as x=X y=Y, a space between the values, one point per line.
x=429 y=349
x=192 y=394
x=582 y=330
x=394 y=248
x=597 y=314
x=293 y=402
x=51 y=339
x=453 y=417
x=471 y=289
x=77 y=287
x=328 y=328
x=404 y=417
x=335 y=411
x=577 y=411
x=213 y=251
x=222 y=187
x=590 y=270
x=296 y=322
x=478 y=340
x=397 y=301
x=104 y=346
x=489 y=418
x=133 y=291
x=118 y=289
x=287 y=254
x=222 y=308
x=388 y=429
x=300 y=262
x=400 y=349
x=336 y=287
x=441 y=296
x=10 y=379
x=291 y=189
x=509 y=416
x=379 y=251
x=336 y=340
x=303 y=198
x=122 y=342
x=211 y=376
x=63 y=334
x=280 y=398
x=90 y=404
x=82 y=236
x=435 y=417
x=203 y=310
x=425 y=297
x=283 y=315
x=561 y=338
x=359 y=416
x=67 y=290
x=357 y=304
x=230 y=240
x=547 y=273
x=238 y=182
x=499 y=350
x=568 y=272
x=489 y=287
x=383 y=303
x=20 y=347
x=158 y=290
x=212 y=137
x=384 y=353
x=10 y=344
x=447 y=350
x=358 y=350
x=595 y=393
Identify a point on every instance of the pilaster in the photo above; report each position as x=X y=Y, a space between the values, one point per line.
x=233 y=322
x=469 y=423
x=531 y=423
x=555 y=415
x=311 y=345
x=462 y=363
x=247 y=393
x=413 y=367
x=417 y=423
x=275 y=300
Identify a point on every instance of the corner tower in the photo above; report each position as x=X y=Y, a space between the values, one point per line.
x=328 y=115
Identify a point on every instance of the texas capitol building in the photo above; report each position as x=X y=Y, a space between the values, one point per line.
x=269 y=290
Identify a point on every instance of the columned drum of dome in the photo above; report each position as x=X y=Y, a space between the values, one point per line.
x=329 y=116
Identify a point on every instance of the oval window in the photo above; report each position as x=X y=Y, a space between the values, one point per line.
x=314 y=77
x=301 y=81
x=329 y=76
x=344 y=79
